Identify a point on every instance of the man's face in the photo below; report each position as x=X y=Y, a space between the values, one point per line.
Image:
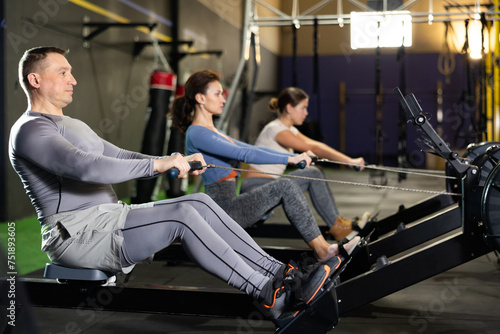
x=56 y=81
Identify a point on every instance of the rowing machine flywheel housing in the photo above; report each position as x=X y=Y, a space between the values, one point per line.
x=490 y=208
x=485 y=155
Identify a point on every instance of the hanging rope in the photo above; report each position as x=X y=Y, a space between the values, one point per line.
x=446 y=60
x=159 y=54
x=316 y=71
x=294 y=55
x=402 y=124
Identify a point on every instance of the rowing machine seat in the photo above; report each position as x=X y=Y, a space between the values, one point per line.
x=68 y=274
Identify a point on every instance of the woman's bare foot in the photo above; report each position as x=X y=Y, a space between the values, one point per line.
x=349 y=247
x=333 y=250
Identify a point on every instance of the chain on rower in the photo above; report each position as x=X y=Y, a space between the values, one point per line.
x=339 y=181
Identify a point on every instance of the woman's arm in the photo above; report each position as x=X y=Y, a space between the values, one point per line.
x=266 y=149
x=302 y=143
x=210 y=143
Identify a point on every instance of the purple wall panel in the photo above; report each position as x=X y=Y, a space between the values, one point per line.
x=358 y=73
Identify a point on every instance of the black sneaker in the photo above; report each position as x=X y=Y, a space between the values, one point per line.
x=300 y=285
x=313 y=279
x=278 y=295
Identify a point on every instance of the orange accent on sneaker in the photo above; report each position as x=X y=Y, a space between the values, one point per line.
x=274 y=298
x=327 y=269
x=290 y=269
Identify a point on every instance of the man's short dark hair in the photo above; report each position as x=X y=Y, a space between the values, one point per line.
x=31 y=59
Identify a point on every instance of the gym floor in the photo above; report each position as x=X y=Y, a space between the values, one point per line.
x=465 y=299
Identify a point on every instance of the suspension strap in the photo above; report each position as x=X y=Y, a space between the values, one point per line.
x=158 y=54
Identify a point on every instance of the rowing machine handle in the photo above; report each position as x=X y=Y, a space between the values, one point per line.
x=303 y=163
x=172 y=173
x=314 y=159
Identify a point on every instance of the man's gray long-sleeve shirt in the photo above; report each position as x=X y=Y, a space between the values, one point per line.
x=64 y=165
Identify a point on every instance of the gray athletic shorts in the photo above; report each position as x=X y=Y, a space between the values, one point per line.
x=89 y=238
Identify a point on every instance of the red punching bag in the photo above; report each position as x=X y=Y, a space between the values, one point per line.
x=162 y=86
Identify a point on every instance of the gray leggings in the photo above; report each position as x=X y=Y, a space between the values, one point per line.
x=208 y=235
x=248 y=208
x=320 y=193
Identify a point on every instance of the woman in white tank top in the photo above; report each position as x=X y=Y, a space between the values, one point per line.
x=282 y=135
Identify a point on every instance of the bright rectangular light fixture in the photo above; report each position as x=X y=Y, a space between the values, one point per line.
x=384 y=29
x=474 y=31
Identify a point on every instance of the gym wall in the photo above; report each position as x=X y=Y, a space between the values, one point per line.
x=424 y=67
x=358 y=74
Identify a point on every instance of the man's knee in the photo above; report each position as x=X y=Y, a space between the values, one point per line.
x=202 y=197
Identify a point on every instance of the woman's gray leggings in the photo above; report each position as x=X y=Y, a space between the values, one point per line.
x=250 y=207
x=208 y=235
x=320 y=193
